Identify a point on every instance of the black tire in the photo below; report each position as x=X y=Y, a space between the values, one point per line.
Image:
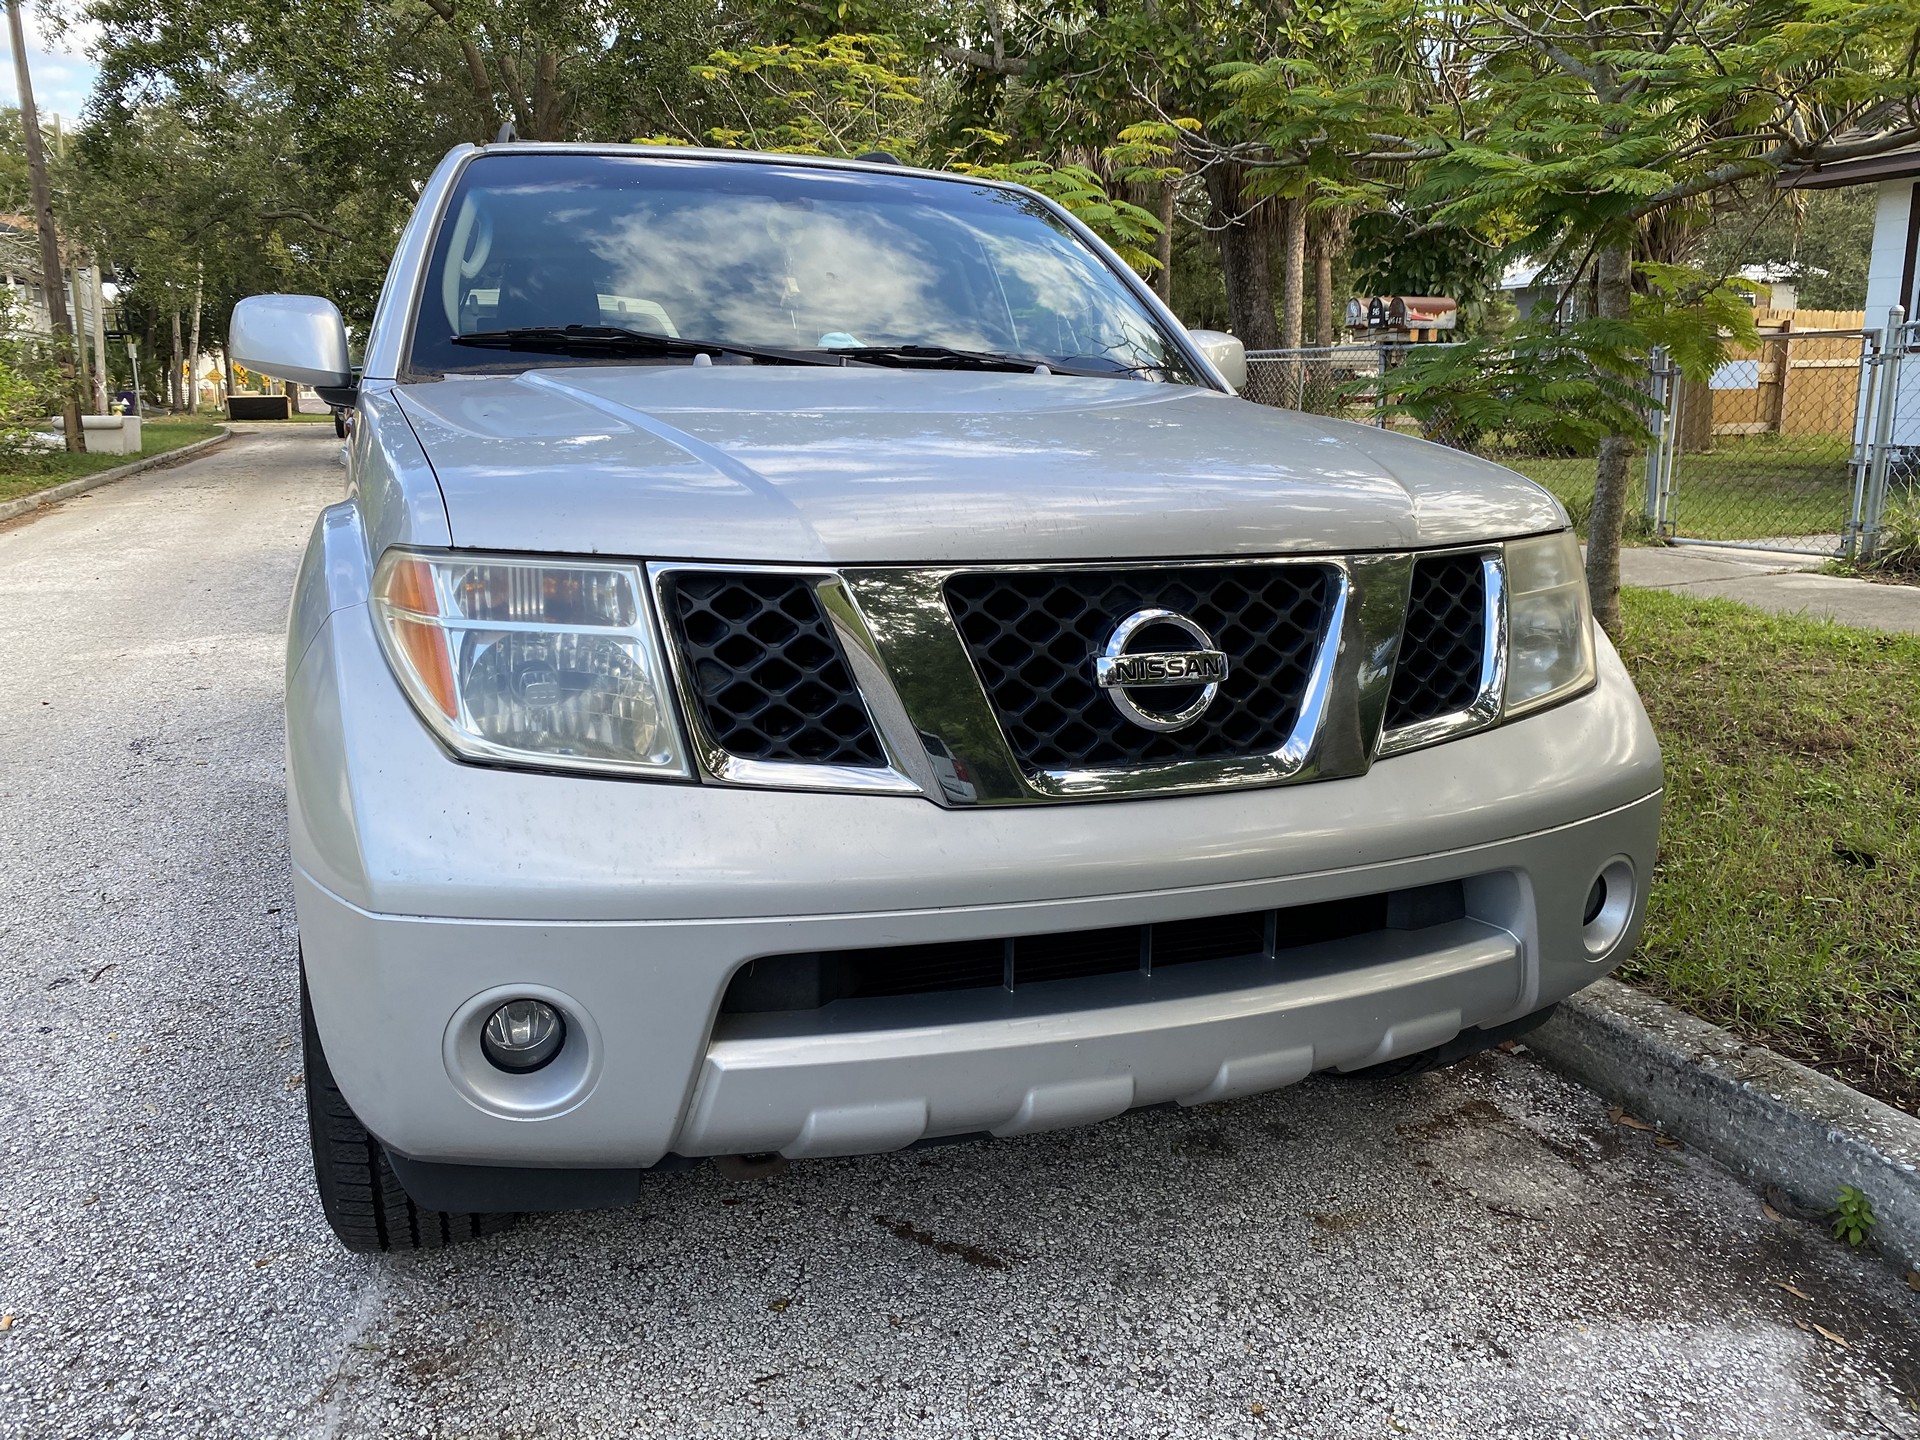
x=1464 y=1046
x=340 y=423
x=364 y=1201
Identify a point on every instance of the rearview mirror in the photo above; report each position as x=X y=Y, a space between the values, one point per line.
x=1226 y=352
x=292 y=337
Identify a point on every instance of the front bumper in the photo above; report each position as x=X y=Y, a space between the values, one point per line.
x=426 y=887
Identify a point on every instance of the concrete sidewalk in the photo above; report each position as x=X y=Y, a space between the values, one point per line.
x=1773 y=580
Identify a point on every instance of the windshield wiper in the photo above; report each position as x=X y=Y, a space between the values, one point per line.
x=618 y=340
x=938 y=357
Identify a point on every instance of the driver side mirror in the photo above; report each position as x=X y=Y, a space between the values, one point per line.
x=294 y=337
x=1226 y=352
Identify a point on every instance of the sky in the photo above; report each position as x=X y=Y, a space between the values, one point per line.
x=62 y=74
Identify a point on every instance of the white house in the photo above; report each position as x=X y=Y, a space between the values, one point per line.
x=1896 y=221
x=1891 y=272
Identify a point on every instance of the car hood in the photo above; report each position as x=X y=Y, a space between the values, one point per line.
x=832 y=465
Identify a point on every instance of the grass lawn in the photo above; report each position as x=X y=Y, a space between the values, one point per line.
x=1786 y=902
x=1748 y=487
x=24 y=475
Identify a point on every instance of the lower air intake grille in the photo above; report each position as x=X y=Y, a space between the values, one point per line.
x=810 y=981
x=766 y=673
x=1443 y=647
x=1032 y=636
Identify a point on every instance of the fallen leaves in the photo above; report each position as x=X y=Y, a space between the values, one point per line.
x=780 y=1305
x=1632 y=1122
x=1792 y=1291
x=1913 y=1279
x=1823 y=1333
x=1768 y=1211
x=6 y=1321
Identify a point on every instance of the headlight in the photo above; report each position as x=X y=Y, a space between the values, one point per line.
x=1549 y=622
x=536 y=662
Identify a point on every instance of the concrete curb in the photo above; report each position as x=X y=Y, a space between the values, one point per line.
x=1772 y=1120
x=39 y=499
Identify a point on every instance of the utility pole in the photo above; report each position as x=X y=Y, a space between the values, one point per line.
x=100 y=369
x=52 y=273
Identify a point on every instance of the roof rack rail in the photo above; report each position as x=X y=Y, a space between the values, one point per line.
x=507 y=135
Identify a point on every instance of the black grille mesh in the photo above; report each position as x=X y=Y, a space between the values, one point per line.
x=1444 y=643
x=767 y=675
x=819 y=978
x=1032 y=636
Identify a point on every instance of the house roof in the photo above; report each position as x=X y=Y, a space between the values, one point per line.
x=1903 y=164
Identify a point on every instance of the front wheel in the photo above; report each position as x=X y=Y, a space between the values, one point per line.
x=364 y=1201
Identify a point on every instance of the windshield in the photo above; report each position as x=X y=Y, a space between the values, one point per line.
x=772 y=256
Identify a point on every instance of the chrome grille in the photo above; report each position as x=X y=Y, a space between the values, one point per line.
x=1443 y=645
x=764 y=670
x=1032 y=636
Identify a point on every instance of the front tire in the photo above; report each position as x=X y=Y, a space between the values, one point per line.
x=364 y=1201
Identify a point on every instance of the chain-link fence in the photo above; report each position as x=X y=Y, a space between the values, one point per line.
x=1769 y=451
x=1356 y=382
x=1796 y=443
x=1892 y=428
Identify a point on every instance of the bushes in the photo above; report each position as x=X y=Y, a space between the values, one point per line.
x=30 y=382
x=1898 y=551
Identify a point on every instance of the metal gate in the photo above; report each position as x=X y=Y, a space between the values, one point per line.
x=1788 y=446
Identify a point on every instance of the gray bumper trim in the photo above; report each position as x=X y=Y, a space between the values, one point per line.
x=1348 y=1004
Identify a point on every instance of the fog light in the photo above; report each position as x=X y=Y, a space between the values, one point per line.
x=1609 y=908
x=1596 y=899
x=523 y=1035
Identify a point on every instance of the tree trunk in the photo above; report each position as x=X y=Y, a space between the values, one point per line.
x=51 y=278
x=1246 y=233
x=1323 y=288
x=179 y=358
x=1293 y=303
x=100 y=367
x=1293 y=290
x=82 y=371
x=1163 y=246
x=1613 y=297
x=226 y=369
x=193 y=344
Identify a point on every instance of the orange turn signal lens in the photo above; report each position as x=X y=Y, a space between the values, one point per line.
x=408 y=590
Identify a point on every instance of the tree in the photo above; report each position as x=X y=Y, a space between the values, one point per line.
x=1821 y=239
x=1589 y=127
x=852 y=94
x=52 y=265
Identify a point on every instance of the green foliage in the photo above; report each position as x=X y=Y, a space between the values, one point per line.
x=1821 y=239
x=1128 y=228
x=849 y=94
x=30 y=381
x=840 y=96
x=1395 y=255
x=1853 y=1217
x=1532 y=390
x=1897 y=551
x=1583 y=126
x=1696 y=316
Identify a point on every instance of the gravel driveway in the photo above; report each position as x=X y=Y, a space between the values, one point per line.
x=1476 y=1254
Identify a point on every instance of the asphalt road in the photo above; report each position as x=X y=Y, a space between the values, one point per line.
x=1476 y=1254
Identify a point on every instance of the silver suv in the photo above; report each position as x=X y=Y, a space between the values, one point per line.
x=814 y=659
